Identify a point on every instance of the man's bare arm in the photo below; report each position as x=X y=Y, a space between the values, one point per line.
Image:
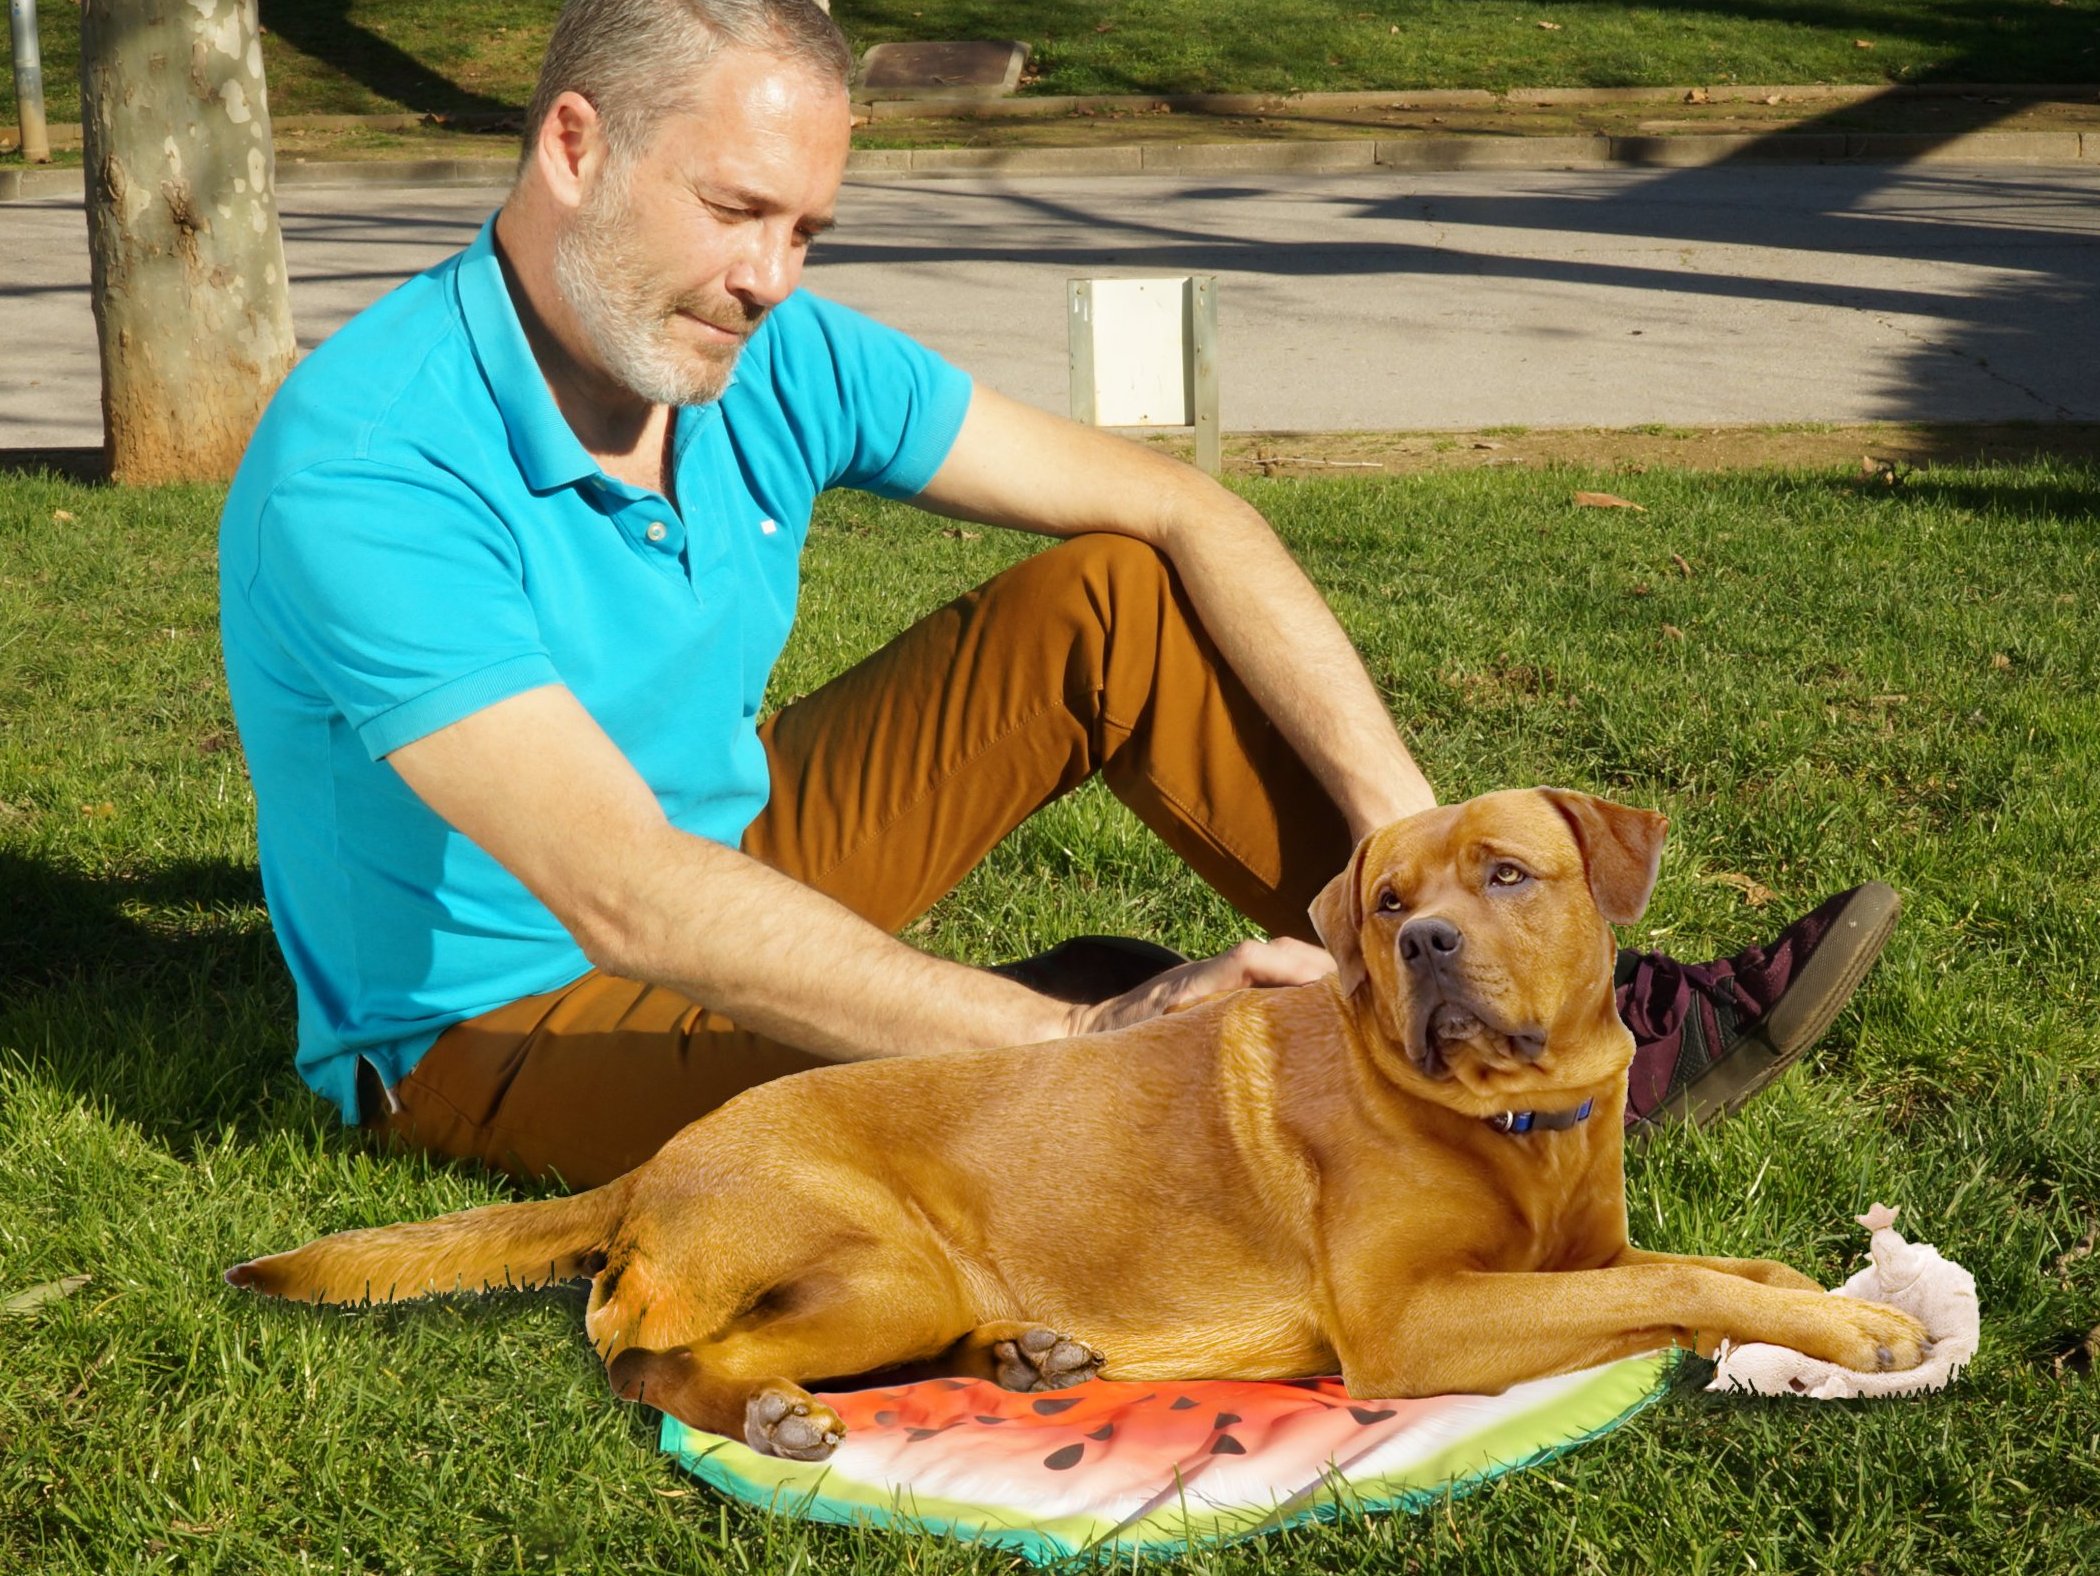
x=1015 y=466
x=535 y=782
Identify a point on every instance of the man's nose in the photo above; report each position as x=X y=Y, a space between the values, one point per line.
x=767 y=273
x=1430 y=939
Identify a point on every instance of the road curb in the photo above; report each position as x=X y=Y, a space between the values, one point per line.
x=1340 y=155
x=1050 y=107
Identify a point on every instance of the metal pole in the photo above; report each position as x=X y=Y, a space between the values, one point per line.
x=29 y=81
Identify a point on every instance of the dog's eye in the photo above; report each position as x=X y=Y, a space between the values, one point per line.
x=1389 y=902
x=1507 y=875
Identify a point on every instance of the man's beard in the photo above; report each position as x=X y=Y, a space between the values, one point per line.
x=628 y=314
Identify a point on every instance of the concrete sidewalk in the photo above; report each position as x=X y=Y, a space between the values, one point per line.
x=1368 y=297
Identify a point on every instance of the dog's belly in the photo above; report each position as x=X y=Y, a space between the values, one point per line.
x=1243 y=1322
x=1229 y=1350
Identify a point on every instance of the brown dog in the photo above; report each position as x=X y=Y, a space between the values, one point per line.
x=1275 y=1183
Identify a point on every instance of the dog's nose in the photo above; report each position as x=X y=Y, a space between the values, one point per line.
x=1430 y=939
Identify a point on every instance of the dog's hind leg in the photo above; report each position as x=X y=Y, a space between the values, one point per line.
x=774 y=1416
x=747 y=1381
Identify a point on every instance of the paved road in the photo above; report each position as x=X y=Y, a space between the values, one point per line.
x=1377 y=299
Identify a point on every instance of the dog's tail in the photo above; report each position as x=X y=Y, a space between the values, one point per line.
x=530 y=1244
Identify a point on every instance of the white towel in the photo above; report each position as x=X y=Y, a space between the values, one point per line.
x=1937 y=1292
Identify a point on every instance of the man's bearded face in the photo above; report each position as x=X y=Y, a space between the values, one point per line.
x=631 y=309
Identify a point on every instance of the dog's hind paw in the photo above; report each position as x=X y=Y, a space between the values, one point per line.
x=1041 y=1359
x=782 y=1420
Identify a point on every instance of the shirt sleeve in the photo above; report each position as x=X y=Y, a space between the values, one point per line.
x=869 y=407
x=399 y=594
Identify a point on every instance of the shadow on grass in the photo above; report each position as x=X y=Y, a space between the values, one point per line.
x=158 y=995
x=73 y=465
x=323 y=29
x=2064 y=500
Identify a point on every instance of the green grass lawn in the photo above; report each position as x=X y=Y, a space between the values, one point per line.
x=386 y=56
x=1834 y=683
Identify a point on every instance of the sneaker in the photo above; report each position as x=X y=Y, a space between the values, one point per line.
x=1708 y=1036
x=1090 y=969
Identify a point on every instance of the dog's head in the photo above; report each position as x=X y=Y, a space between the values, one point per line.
x=1477 y=939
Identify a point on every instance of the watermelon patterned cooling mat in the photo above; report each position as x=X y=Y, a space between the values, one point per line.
x=1111 y=1469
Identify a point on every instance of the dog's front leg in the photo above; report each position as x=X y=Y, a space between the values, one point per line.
x=1481 y=1333
x=1766 y=1272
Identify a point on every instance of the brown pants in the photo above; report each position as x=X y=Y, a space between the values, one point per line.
x=888 y=785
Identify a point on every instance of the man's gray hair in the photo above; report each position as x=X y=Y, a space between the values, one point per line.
x=640 y=61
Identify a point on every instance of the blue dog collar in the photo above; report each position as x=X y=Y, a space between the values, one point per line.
x=1525 y=1121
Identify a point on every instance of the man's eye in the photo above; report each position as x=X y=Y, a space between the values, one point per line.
x=1507 y=875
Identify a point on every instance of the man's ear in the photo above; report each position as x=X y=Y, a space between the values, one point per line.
x=1338 y=920
x=1621 y=849
x=570 y=148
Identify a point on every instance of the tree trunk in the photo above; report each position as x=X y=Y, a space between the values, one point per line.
x=191 y=302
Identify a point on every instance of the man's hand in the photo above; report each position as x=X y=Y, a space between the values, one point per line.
x=1284 y=961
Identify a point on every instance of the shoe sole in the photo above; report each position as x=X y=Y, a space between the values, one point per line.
x=1814 y=999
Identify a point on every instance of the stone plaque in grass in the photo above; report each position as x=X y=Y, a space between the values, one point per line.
x=976 y=69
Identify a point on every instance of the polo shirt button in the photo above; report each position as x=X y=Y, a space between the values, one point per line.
x=658 y=531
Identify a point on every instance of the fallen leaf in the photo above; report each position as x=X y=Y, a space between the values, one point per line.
x=956 y=533
x=2072 y=1256
x=1395 y=28
x=1683 y=564
x=1099 y=27
x=1551 y=27
x=36 y=1296
x=1596 y=500
x=1862 y=43
x=211 y=744
x=1673 y=632
x=1482 y=443
x=61 y=515
x=2001 y=661
x=1639 y=588
x=1754 y=894
x=98 y=812
x=1771 y=98
x=1698 y=96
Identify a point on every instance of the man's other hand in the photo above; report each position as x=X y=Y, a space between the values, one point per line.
x=1284 y=961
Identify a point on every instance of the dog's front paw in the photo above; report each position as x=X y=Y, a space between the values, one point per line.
x=1041 y=1359
x=1871 y=1337
x=782 y=1420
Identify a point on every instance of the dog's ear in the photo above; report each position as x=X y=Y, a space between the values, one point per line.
x=1338 y=920
x=1621 y=849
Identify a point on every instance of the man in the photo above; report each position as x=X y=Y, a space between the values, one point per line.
x=509 y=561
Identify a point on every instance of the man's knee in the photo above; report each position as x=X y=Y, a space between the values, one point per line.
x=1107 y=562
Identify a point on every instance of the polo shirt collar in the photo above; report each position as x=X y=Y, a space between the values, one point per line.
x=546 y=448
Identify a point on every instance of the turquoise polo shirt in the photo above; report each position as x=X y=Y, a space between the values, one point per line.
x=416 y=533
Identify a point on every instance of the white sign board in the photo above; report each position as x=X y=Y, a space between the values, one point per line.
x=1144 y=355
x=1141 y=353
